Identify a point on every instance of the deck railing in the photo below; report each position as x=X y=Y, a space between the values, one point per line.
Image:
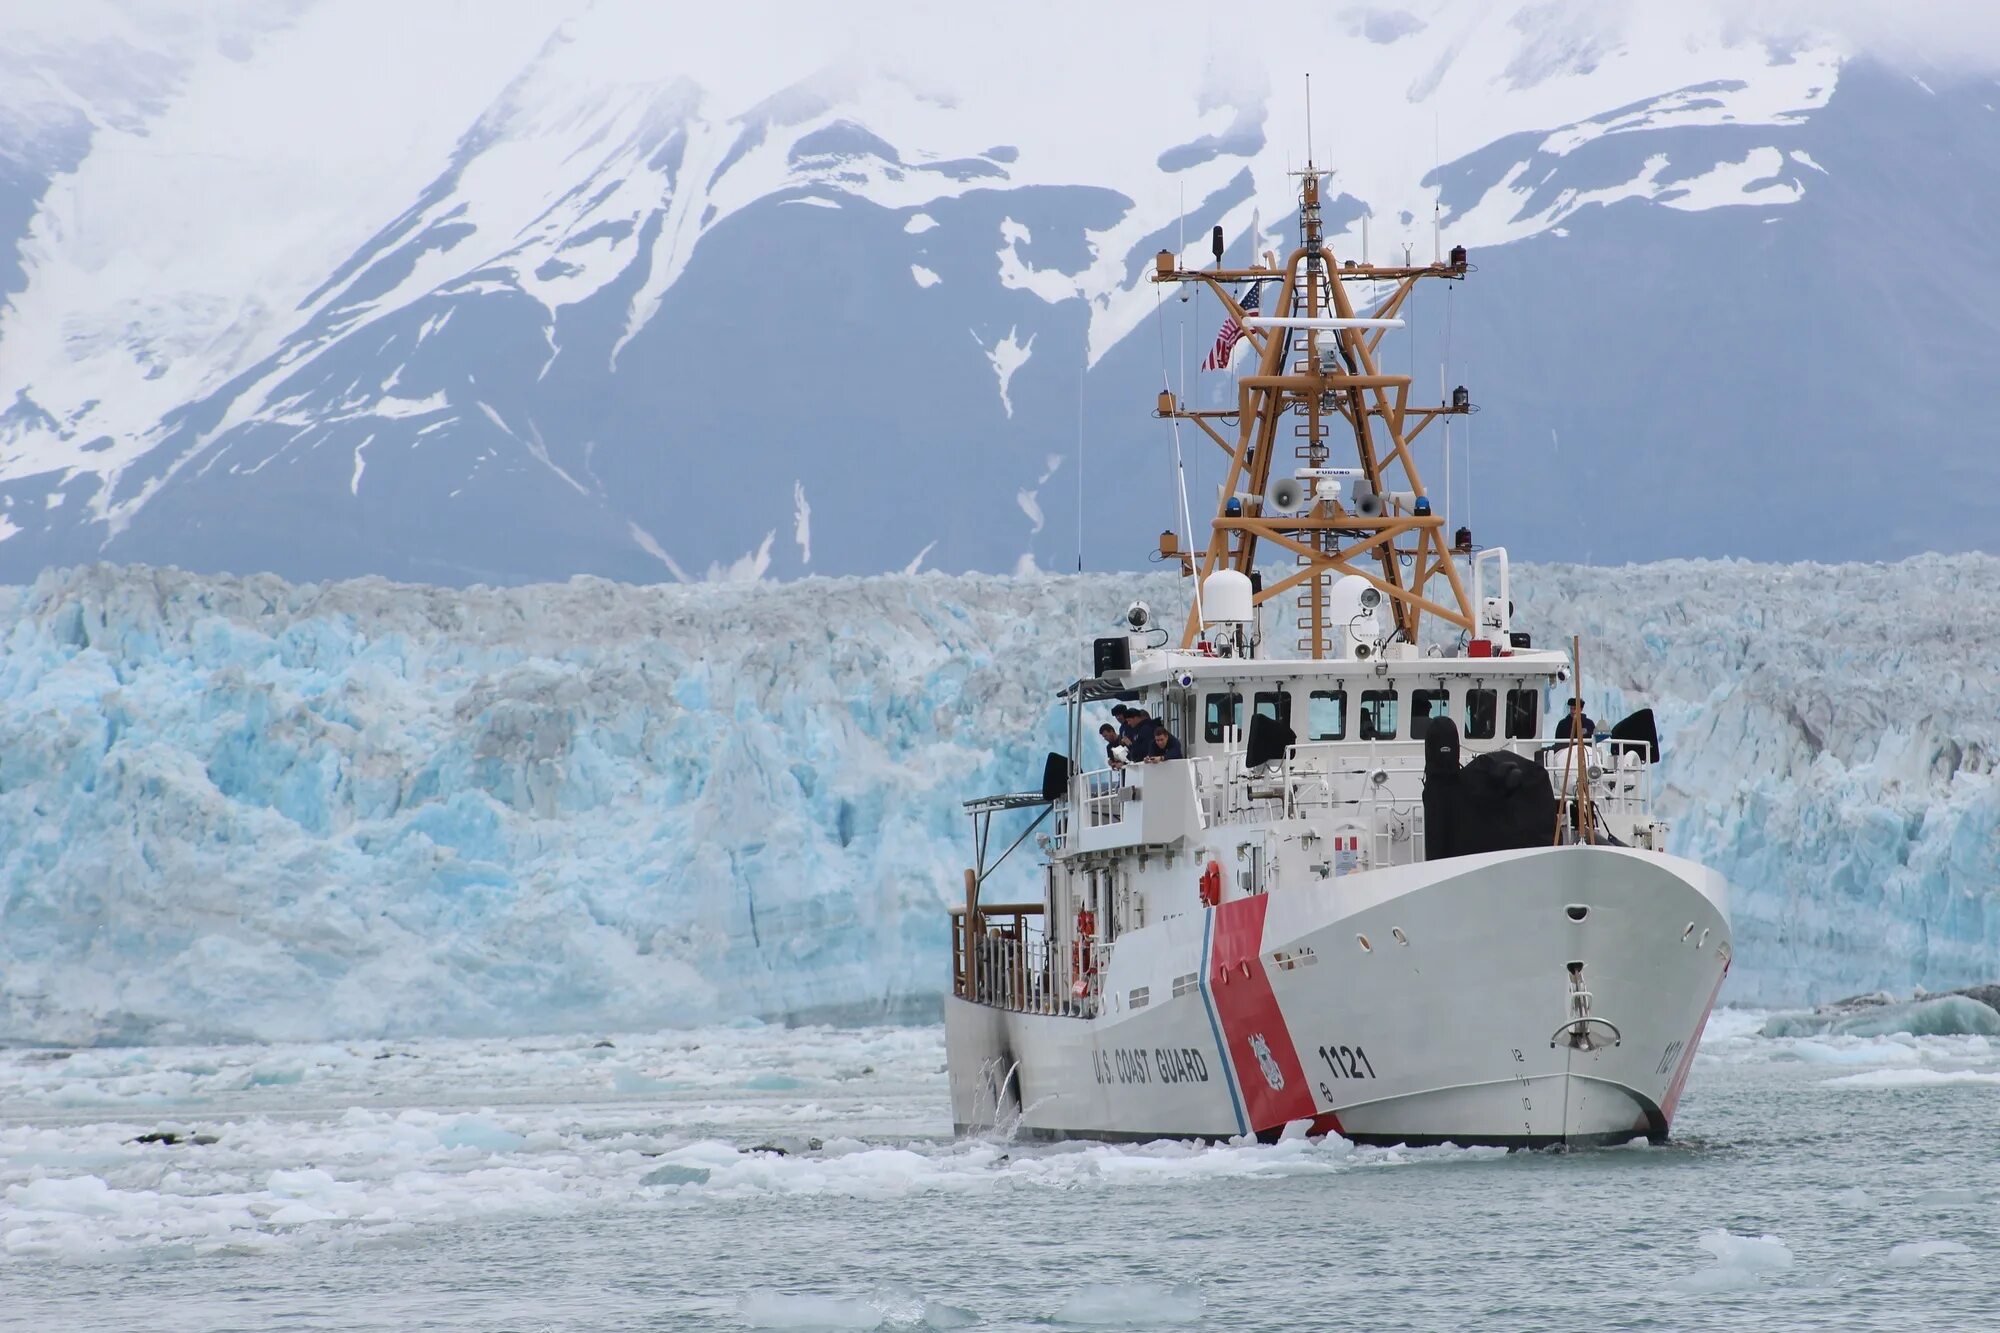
x=1006 y=961
x=1104 y=797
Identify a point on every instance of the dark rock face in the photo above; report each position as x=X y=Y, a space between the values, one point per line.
x=485 y=430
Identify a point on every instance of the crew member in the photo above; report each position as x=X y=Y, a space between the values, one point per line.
x=1114 y=745
x=1165 y=745
x=1139 y=736
x=1574 y=714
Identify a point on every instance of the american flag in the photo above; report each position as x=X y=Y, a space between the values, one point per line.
x=1230 y=333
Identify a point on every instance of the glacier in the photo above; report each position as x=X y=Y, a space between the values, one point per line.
x=244 y=808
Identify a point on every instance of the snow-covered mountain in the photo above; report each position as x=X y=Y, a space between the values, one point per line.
x=523 y=290
x=245 y=807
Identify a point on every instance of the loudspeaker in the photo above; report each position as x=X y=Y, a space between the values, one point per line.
x=1367 y=504
x=1285 y=495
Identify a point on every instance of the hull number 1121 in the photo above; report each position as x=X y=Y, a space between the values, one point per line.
x=1347 y=1061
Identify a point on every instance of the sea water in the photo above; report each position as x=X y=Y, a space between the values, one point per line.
x=764 y=1177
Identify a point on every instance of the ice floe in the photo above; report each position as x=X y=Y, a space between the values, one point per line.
x=1912 y=1253
x=1739 y=1263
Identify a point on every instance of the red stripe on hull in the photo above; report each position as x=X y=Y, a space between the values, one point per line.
x=1673 y=1096
x=1267 y=1066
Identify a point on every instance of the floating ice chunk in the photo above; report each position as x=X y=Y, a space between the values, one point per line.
x=1740 y=1263
x=770 y=1309
x=1762 y=1254
x=1855 y=1197
x=1132 y=1305
x=78 y=1194
x=1936 y=1016
x=675 y=1174
x=1912 y=1253
x=773 y=1083
x=1915 y=1078
x=1852 y=1051
x=1948 y=1198
x=305 y=1181
x=626 y=1079
x=891 y=1309
x=472 y=1132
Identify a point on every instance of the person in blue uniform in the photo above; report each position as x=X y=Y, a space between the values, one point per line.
x=1114 y=743
x=1568 y=719
x=1166 y=745
x=1139 y=735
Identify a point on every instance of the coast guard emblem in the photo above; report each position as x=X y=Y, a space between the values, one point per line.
x=1262 y=1050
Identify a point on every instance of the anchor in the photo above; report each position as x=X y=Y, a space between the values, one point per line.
x=1581 y=1032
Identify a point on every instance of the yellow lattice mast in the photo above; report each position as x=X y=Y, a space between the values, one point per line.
x=1318 y=374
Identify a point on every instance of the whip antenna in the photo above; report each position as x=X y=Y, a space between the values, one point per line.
x=1309 y=119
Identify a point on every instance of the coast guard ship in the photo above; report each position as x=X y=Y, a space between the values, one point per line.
x=1392 y=886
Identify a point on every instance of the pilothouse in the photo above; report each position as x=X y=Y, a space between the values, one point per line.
x=1361 y=876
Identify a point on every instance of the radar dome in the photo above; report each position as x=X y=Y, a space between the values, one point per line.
x=1226 y=597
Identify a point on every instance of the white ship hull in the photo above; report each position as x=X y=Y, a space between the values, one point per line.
x=1459 y=1022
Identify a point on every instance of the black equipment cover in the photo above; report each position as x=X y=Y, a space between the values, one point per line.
x=1268 y=740
x=1640 y=727
x=1055 y=777
x=1499 y=801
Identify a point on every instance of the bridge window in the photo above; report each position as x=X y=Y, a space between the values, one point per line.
x=1326 y=715
x=1378 y=715
x=1274 y=704
x=1224 y=710
x=1425 y=705
x=1524 y=714
x=1482 y=709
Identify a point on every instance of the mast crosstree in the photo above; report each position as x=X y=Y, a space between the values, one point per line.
x=1318 y=371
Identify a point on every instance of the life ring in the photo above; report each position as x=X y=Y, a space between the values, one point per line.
x=1211 y=884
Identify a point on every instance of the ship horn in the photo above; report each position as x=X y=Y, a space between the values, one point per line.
x=1284 y=496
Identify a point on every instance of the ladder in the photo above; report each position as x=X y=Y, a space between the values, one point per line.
x=1309 y=447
